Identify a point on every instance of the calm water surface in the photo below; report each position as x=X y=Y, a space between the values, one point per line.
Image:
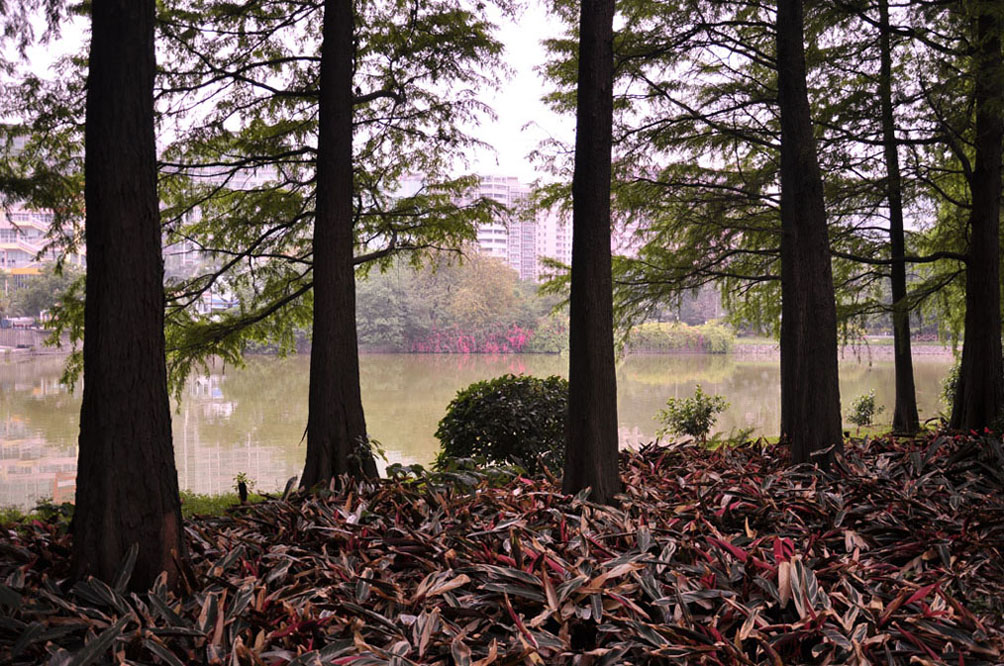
x=251 y=419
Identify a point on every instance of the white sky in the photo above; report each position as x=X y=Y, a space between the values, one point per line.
x=519 y=104
x=523 y=120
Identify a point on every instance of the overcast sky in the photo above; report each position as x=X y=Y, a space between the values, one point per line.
x=518 y=103
x=523 y=120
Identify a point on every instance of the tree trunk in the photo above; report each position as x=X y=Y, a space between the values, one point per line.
x=336 y=429
x=127 y=485
x=591 y=451
x=979 y=395
x=810 y=393
x=904 y=419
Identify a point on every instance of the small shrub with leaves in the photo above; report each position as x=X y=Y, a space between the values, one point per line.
x=507 y=420
x=864 y=410
x=949 y=384
x=243 y=478
x=693 y=417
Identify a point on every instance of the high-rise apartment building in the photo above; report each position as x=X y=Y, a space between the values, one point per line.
x=23 y=238
x=554 y=239
x=523 y=237
x=513 y=239
x=25 y=246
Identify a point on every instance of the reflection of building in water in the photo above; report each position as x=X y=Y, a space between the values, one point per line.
x=632 y=437
x=217 y=411
x=214 y=405
x=207 y=464
x=48 y=386
x=31 y=469
x=208 y=454
x=206 y=386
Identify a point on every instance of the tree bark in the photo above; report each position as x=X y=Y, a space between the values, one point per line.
x=810 y=393
x=979 y=396
x=336 y=428
x=127 y=485
x=904 y=419
x=591 y=451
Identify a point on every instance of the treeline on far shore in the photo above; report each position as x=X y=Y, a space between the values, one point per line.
x=481 y=306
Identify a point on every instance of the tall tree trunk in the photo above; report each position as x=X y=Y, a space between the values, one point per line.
x=904 y=419
x=591 y=451
x=336 y=429
x=979 y=396
x=810 y=393
x=127 y=485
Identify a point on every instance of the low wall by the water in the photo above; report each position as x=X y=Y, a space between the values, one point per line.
x=856 y=352
x=22 y=338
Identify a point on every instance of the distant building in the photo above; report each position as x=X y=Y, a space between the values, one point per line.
x=520 y=238
x=525 y=243
x=183 y=257
x=554 y=240
x=23 y=241
x=512 y=239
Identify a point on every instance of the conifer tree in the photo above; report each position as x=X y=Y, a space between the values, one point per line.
x=591 y=448
x=979 y=398
x=336 y=428
x=127 y=485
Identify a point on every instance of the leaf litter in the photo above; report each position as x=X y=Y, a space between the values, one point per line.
x=712 y=557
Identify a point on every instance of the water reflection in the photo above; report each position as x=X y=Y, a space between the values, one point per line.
x=251 y=419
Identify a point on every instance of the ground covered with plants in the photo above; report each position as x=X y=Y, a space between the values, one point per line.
x=713 y=557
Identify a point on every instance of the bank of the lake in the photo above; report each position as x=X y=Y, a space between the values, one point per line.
x=251 y=419
x=712 y=556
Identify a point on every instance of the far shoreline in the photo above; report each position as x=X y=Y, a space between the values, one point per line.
x=881 y=349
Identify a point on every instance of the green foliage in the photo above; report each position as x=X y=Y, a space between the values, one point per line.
x=463 y=471
x=478 y=304
x=733 y=438
x=949 y=385
x=665 y=337
x=11 y=515
x=550 y=336
x=863 y=409
x=201 y=504
x=706 y=210
x=243 y=191
x=237 y=179
x=507 y=420
x=242 y=477
x=45 y=511
x=44 y=292
x=693 y=417
x=703 y=129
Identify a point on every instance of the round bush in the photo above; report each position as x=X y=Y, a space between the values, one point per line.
x=507 y=420
x=691 y=416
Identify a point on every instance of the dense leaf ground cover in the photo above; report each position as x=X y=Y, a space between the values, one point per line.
x=713 y=557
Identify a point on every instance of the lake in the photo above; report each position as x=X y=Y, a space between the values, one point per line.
x=252 y=419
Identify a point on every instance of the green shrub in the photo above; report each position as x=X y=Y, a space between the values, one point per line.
x=45 y=511
x=863 y=409
x=665 y=337
x=949 y=384
x=717 y=339
x=692 y=417
x=506 y=420
x=550 y=337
